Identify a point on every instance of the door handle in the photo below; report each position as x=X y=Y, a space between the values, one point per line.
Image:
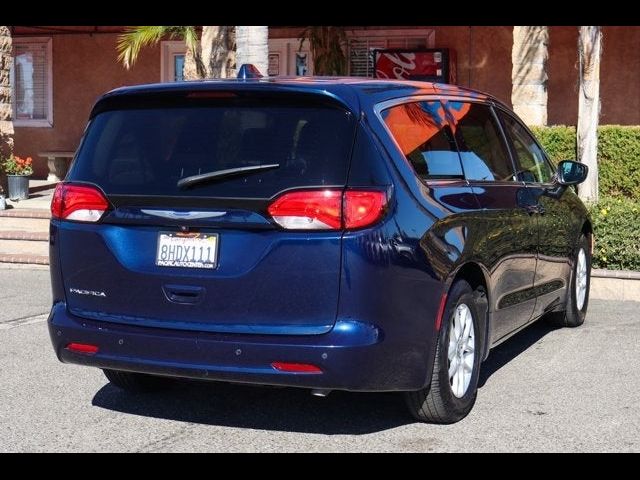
x=183 y=294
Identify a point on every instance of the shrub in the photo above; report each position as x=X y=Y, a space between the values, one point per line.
x=618 y=155
x=616 y=223
x=616 y=217
x=559 y=141
x=619 y=161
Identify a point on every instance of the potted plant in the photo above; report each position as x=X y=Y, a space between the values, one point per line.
x=18 y=171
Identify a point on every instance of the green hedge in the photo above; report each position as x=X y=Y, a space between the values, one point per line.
x=618 y=155
x=617 y=232
x=559 y=141
x=619 y=161
x=616 y=217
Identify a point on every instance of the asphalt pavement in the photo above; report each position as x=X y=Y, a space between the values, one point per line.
x=546 y=389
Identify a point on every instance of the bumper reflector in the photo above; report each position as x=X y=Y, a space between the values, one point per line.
x=296 y=367
x=84 y=348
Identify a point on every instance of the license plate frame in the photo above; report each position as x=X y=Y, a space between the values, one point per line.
x=186 y=253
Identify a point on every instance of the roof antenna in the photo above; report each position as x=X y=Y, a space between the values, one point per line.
x=248 y=71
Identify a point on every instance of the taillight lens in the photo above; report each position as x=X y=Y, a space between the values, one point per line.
x=308 y=210
x=362 y=208
x=328 y=209
x=80 y=203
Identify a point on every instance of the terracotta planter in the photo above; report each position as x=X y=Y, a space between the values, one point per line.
x=18 y=187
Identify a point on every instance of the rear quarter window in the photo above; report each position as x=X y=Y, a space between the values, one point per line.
x=425 y=139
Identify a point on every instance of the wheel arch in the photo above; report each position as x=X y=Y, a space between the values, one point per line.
x=477 y=276
x=587 y=230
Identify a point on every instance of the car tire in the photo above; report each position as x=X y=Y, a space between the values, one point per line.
x=449 y=398
x=578 y=294
x=136 y=382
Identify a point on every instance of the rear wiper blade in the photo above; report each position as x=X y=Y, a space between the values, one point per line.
x=222 y=174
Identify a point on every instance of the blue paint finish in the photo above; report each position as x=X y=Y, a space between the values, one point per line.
x=264 y=279
x=361 y=305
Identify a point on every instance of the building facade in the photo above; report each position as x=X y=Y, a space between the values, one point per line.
x=59 y=72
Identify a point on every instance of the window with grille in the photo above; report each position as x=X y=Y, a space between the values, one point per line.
x=361 y=47
x=31 y=81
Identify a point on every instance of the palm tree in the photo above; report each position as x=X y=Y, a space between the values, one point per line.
x=252 y=46
x=135 y=38
x=529 y=74
x=327 y=49
x=213 y=56
x=6 y=122
x=589 y=52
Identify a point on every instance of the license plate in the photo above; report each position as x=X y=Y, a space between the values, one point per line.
x=187 y=250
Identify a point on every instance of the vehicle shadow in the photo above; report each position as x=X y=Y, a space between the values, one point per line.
x=510 y=349
x=291 y=409
x=265 y=408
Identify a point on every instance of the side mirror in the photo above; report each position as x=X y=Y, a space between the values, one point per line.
x=571 y=173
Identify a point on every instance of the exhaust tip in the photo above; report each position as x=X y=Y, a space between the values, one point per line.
x=320 y=392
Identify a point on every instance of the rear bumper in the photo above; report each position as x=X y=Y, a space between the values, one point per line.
x=353 y=356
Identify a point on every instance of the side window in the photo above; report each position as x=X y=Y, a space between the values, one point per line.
x=482 y=149
x=425 y=138
x=531 y=161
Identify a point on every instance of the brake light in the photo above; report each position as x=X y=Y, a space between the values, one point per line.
x=328 y=209
x=81 y=203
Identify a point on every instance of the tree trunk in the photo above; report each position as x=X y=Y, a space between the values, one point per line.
x=589 y=51
x=193 y=64
x=218 y=51
x=214 y=57
x=6 y=120
x=252 y=46
x=529 y=74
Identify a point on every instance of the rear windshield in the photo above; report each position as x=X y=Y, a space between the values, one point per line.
x=146 y=151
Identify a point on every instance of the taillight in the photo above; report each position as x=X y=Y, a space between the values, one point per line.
x=309 y=210
x=81 y=203
x=362 y=207
x=328 y=209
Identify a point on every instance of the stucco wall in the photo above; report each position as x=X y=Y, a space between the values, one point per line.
x=619 y=74
x=562 y=86
x=84 y=67
x=484 y=57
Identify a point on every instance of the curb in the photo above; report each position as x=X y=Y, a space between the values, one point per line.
x=621 y=285
x=626 y=274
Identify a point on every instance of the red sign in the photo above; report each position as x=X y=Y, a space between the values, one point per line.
x=429 y=65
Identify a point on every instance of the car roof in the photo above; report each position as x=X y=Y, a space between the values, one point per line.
x=356 y=93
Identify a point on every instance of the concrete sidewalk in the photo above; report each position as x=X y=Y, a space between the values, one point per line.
x=40 y=193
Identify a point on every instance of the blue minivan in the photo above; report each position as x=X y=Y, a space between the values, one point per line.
x=326 y=233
